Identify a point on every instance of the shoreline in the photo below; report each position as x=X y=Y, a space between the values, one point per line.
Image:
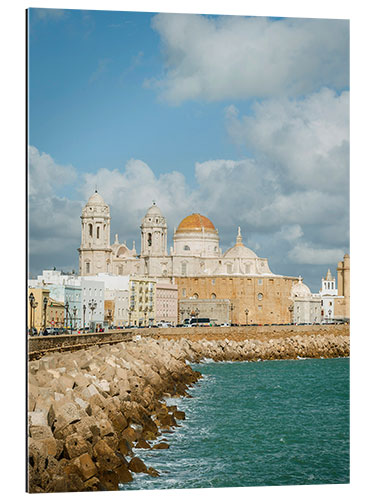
x=91 y=409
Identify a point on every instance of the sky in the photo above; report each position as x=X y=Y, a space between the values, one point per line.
x=242 y=119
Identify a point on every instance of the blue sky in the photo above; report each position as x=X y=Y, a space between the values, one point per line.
x=245 y=120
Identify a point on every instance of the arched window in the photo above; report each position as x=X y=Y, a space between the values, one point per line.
x=149 y=239
x=97 y=232
x=213 y=295
x=87 y=267
x=183 y=268
x=90 y=229
x=186 y=247
x=195 y=296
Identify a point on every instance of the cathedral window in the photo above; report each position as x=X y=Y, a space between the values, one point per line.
x=184 y=292
x=183 y=268
x=90 y=229
x=260 y=296
x=213 y=295
x=97 y=232
x=186 y=247
x=149 y=239
x=87 y=267
x=247 y=268
x=195 y=296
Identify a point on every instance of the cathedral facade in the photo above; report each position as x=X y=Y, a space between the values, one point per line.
x=195 y=252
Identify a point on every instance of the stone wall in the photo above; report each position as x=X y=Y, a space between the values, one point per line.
x=210 y=333
x=266 y=298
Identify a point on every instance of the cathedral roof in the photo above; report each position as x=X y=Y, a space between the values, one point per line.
x=239 y=250
x=96 y=199
x=196 y=222
x=300 y=290
x=154 y=210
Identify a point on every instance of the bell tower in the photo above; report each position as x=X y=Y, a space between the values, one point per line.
x=154 y=233
x=95 y=253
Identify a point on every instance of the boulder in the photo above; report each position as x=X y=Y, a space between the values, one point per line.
x=86 y=466
x=161 y=446
x=76 y=445
x=105 y=457
x=137 y=465
x=124 y=474
x=40 y=432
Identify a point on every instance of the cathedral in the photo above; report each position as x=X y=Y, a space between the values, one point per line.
x=208 y=280
x=195 y=251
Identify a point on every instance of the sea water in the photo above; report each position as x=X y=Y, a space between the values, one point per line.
x=260 y=423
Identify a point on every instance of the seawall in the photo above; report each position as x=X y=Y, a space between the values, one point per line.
x=65 y=342
x=91 y=409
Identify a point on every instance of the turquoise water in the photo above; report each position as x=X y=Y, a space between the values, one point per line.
x=253 y=424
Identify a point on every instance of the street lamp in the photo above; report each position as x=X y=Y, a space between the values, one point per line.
x=92 y=307
x=247 y=314
x=74 y=316
x=231 y=311
x=84 y=313
x=45 y=302
x=68 y=315
x=33 y=306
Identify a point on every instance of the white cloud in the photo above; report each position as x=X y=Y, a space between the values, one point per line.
x=288 y=228
x=53 y=229
x=45 y=175
x=245 y=57
x=305 y=254
x=305 y=141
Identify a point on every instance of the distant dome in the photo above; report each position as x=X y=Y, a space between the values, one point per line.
x=239 y=250
x=96 y=199
x=300 y=290
x=154 y=210
x=196 y=222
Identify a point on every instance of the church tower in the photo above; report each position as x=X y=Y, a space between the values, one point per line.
x=154 y=233
x=95 y=251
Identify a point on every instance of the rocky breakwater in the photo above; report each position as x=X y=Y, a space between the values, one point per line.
x=293 y=347
x=89 y=411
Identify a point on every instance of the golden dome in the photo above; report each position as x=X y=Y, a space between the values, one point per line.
x=196 y=222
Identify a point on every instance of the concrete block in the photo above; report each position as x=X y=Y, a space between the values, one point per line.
x=89 y=391
x=40 y=432
x=61 y=414
x=38 y=418
x=86 y=466
x=76 y=445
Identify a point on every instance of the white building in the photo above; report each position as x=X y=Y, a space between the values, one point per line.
x=80 y=292
x=195 y=251
x=306 y=306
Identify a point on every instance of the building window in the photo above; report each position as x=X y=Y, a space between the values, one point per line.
x=195 y=296
x=87 y=267
x=260 y=282
x=247 y=268
x=149 y=239
x=213 y=295
x=90 y=229
x=183 y=268
x=184 y=292
x=260 y=296
x=97 y=232
x=213 y=281
x=186 y=247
